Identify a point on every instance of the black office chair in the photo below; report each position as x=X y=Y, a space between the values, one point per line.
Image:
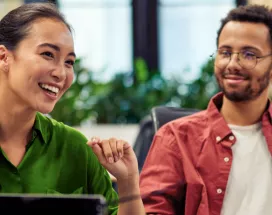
x=162 y=114
x=151 y=123
x=143 y=140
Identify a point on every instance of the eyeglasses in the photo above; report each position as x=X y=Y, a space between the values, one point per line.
x=246 y=59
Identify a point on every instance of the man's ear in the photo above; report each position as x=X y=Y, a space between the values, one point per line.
x=4 y=55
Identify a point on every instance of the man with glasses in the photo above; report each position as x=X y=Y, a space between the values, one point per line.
x=218 y=161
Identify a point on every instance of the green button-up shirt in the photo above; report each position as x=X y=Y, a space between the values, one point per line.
x=57 y=160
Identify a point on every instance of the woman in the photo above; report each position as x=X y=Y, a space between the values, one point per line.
x=38 y=154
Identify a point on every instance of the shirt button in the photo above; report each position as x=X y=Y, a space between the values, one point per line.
x=226 y=159
x=219 y=191
x=231 y=138
x=218 y=138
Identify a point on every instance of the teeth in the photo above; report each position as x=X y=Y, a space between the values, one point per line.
x=51 y=88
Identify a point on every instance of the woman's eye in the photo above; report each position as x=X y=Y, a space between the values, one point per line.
x=70 y=62
x=48 y=54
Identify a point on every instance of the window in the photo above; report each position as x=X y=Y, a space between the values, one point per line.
x=187 y=37
x=102 y=33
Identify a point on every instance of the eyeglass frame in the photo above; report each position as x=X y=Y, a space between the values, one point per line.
x=213 y=56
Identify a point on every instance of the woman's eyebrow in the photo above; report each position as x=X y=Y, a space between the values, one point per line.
x=55 y=47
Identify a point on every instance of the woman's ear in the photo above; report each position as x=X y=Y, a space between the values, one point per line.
x=4 y=53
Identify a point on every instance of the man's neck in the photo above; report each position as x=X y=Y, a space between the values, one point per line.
x=243 y=113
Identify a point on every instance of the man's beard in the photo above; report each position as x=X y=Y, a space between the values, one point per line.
x=248 y=93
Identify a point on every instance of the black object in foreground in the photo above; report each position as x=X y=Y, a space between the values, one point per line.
x=53 y=204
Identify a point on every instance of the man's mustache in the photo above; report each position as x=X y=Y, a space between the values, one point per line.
x=235 y=73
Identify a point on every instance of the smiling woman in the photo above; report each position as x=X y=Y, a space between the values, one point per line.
x=53 y=54
x=36 y=68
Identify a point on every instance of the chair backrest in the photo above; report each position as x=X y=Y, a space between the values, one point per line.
x=150 y=124
x=143 y=140
x=162 y=114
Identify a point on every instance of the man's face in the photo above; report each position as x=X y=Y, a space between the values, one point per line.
x=238 y=83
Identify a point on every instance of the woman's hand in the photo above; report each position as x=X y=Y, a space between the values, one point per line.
x=117 y=156
x=119 y=159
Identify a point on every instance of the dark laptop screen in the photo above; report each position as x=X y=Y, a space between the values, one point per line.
x=46 y=204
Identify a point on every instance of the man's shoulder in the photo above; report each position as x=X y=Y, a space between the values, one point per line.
x=189 y=129
x=194 y=121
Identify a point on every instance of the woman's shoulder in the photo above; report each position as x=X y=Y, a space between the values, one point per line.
x=56 y=131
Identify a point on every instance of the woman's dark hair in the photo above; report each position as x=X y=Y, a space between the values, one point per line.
x=15 y=26
x=248 y=13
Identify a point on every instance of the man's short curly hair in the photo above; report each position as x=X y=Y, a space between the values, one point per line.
x=248 y=13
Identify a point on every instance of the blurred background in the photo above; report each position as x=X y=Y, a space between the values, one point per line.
x=134 y=55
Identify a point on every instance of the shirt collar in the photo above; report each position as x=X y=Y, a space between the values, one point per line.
x=41 y=127
x=218 y=123
x=267 y=117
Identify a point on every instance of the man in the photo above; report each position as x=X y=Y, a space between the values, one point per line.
x=218 y=161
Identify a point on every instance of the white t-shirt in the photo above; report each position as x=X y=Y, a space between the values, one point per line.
x=249 y=187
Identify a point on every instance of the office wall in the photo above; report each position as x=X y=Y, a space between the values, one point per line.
x=265 y=2
x=8 y=5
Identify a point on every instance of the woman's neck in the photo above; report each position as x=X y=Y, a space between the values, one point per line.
x=16 y=120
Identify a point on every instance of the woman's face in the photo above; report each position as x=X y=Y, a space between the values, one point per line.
x=40 y=70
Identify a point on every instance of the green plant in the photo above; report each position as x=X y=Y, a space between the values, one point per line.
x=129 y=102
x=200 y=90
x=74 y=106
x=128 y=97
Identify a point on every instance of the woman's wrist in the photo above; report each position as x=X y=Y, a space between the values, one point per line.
x=128 y=186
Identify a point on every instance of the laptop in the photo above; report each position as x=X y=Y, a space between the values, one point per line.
x=46 y=204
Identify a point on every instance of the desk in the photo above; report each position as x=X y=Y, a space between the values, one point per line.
x=105 y=131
